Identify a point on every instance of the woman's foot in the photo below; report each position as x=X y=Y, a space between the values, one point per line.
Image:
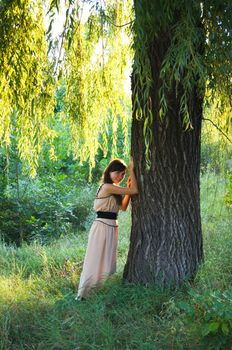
x=79 y=298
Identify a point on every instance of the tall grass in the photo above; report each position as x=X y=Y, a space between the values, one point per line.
x=38 y=285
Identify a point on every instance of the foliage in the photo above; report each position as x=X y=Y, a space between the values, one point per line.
x=49 y=207
x=215 y=157
x=14 y=224
x=211 y=315
x=54 y=203
x=58 y=200
x=93 y=56
x=201 y=58
x=216 y=150
x=26 y=83
x=94 y=71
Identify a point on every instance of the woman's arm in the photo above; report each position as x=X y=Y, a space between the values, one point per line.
x=126 y=199
x=133 y=181
x=125 y=202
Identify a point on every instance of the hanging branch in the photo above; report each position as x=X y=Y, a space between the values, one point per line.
x=117 y=25
x=63 y=37
x=109 y=19
x=219 y=129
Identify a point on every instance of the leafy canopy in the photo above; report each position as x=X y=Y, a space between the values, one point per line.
x=91 y=59
x=26 y=84
x=200 y=41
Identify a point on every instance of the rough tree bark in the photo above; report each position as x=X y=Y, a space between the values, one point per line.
x=166 y=238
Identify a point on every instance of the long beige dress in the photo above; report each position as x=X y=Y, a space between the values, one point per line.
x=100 y=257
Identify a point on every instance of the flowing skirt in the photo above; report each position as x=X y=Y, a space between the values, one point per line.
x=100 y=257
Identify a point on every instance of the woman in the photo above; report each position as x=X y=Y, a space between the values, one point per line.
x=100 y=257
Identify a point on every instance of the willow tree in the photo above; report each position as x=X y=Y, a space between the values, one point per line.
x=181 y=49
x=90 y=61
x=26 y=83
x=97 y=52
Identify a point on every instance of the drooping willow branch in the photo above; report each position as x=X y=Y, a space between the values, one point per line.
x=218 y=128
x=117 y=25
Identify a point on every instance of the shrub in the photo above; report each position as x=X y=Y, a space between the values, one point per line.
x=211 y=315
x=50 y=207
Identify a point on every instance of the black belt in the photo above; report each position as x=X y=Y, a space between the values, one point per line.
x=107 y=215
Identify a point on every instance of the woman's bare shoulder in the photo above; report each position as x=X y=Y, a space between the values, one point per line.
x=107 y=189
x=104 y=190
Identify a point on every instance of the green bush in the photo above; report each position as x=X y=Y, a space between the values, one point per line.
x=210 y=313
x=14 y=223
x=50 y=207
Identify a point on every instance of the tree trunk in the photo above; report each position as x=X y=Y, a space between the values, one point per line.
x=166 y=239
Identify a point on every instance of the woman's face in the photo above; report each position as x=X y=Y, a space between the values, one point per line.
x=117 y=176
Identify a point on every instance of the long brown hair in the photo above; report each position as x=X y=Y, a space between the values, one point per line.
x=114 y=165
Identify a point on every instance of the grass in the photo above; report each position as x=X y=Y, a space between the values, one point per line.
x=38 y=285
